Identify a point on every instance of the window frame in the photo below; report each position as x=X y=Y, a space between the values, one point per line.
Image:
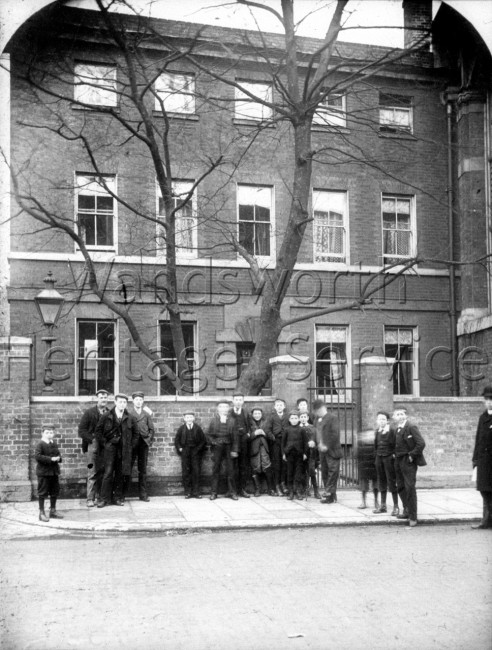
x=415 y=383
x=195 y=384
x=406 y=106
x=346 y=363
x=345 y=257
x=390 y=258
x=329 y=116
x=271 y=254
x=107 y=177
x=181 y=254
x=239 y=95
x=183 y=103
x=81 y=88
x=114 y=322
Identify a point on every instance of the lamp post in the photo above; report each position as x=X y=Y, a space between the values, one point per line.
x=49 y=303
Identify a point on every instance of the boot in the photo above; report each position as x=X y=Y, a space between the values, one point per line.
x=53 y=513
x=376 y=500
x=284 y=488
x=291 y=495
x=270 y=483
x=299 y=492
x=396 y=510
x=363 y=504
x=382 y=508
x=314 y=483
x=232 y=490
x=256 y=481
x=330 y=498
x=278 y=491
x=42 y=514
x=485 y=523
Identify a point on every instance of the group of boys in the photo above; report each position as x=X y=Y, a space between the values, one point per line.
x=390 y=461
x=284 y=447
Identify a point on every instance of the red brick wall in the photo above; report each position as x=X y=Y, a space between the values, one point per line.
x=448 y=426
x=164 y=466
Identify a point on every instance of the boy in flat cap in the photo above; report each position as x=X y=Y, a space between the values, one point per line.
x=95 y=456
x=190 y=443
x=117 y=433
x=140 y=453
x=294 y=452
x=48 y=459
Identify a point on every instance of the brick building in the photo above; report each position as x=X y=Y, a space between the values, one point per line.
x=388 y=202
x=363 y=215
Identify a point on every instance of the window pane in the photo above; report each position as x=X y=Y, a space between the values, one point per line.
x=95 y=84
x=246 y=212
x=246 y=234
x=262 y=214
x=177 y=91
x=248 y=108
x=262 y=241
x=87 y=202
x=87 y=227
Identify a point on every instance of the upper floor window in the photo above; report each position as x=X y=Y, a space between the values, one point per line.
x=248 y=108
x=176 y=92
x=331 y=111
x=330 y=226
x=95 y=84
x=95 y=356
x=96 y=210
x=399 y=345
x=255 y=218
x=331 y=359
x=185 y=226
x=395 y=113
x=398 y=227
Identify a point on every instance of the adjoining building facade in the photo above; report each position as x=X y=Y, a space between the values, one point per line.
x=387 y=204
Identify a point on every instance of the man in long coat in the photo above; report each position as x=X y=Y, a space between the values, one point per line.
x=330 y=450
x=95 y=456
x=117 y=433
x=482 y=459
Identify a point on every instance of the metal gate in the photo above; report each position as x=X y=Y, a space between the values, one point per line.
x=344 y=403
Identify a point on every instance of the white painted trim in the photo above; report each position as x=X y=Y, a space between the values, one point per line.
x=87 y=399
x=105 y=257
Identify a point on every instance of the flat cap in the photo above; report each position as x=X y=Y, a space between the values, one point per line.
x=47 y=426
x=138 y=393
x=487 y=391
x=122 y=395
x=102 y=391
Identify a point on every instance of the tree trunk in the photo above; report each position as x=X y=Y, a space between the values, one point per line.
x=257 y=372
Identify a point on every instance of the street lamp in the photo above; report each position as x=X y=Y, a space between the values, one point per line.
x=49 y=303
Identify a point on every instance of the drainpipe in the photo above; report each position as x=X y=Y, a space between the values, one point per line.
x=452 y=294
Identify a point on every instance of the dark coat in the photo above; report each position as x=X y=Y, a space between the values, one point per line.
x=87 y=426
x=145 y=425
x=409 y=440
x=259 y=450
x=295 y=437
x=111 y=432
x=328 y=431
x=43 y=454
x=190 y=438
x=366 y=456
x=214 y=436
x=384 y=442
x=275 y=425
x=482 y=454
x=242 y=421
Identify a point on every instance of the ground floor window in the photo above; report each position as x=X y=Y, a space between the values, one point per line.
x=95 y=356
x=399 y=346
x=168 y=355
x=331 y=359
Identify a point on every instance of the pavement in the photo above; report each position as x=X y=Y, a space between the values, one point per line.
x=175 y=514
